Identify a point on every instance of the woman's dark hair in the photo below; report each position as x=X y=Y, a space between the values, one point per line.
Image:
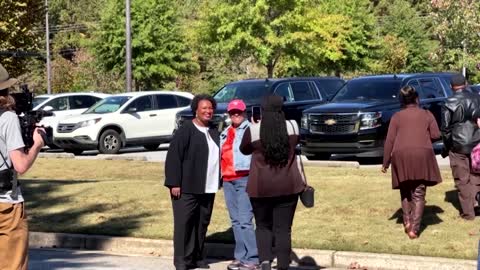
x=273 y=132
x=408 y=95
x=200 y=97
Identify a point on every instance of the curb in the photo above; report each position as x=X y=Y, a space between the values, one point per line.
x=56 y=155
x=331 y=164
x=322 y=258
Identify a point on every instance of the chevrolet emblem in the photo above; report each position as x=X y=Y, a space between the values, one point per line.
x=330 y=122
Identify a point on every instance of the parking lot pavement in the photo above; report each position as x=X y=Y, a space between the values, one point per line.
x=56 y=259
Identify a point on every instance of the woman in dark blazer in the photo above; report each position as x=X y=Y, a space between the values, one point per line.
x=192 y=173
x=408 y=148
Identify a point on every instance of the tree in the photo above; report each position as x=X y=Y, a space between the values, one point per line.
x=19 y=25
x=457 y=29
x=399 y=20
x=299 y=32
x=158 y=49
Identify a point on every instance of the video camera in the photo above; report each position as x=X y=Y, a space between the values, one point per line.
x=29 y=119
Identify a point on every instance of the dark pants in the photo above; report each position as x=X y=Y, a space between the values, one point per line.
x=466 y=183
x=413 y=203
x=274 y=218
x=191 y=216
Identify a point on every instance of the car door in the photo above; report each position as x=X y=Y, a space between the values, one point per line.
x=298 y=96
x=138 y=119
x=167 y=108
x=59 y=106
x=432 y=96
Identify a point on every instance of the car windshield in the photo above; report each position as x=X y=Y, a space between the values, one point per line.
x=38 y=100
x=108 y=105
x=250 y=92
x=369 y=89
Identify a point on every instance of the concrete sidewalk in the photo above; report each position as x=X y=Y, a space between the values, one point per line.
x=317 y=259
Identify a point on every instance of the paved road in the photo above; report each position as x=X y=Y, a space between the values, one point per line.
x=56 y=259
x=161 y=153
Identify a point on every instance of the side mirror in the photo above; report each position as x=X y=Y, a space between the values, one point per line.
x=132 y=110
x=48 y=108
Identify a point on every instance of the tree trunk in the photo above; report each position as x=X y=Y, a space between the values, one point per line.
x=270 y=68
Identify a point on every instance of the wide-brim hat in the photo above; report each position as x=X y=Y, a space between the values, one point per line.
x=5 y=80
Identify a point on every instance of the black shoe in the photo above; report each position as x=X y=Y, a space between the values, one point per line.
x=199 y=264
x=266 y=265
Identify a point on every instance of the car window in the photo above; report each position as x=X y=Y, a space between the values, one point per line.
x=166 y=102
x=302 y=91
x=108 y=105
x=369 y=89
x=330 y=87
x=251 y=92
x=82 y=102
x=37 y=100
x=58 y=104
x=142 y=104
x=183 y=101
x=284 y=90
x=430 y=88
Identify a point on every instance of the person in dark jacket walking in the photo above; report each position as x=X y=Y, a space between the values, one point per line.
x=192 y=174
x=460 y=134
x=408 y=148
x=275 y=181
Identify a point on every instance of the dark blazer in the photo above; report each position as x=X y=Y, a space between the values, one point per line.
x=187 y=159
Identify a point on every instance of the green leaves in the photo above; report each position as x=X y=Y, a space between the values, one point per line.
x=158 y=49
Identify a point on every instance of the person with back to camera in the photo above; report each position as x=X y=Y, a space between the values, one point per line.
x=235 y=167
x=13 y=159
x=408 y=148
x=460 y=134
x=275 y=181
x=192 y=174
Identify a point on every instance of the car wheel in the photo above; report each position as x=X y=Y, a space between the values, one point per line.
x=110 y=142
x=76 y=152
x=323 y=156
x=151 y=147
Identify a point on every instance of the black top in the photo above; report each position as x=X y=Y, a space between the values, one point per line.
x=460 y=132
x=187 y=159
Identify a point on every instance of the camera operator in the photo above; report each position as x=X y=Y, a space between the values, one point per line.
x=13 y=159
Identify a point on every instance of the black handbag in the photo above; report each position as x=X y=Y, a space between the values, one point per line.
x=307 y=197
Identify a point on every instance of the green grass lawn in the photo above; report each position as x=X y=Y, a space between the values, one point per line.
x=356 y=209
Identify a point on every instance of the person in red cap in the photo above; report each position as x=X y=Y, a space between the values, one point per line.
x=235 y=168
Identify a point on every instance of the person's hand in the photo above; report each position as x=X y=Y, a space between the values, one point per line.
x=175 y=191
x=384 y=169
x=37 y=138
x=478 y=122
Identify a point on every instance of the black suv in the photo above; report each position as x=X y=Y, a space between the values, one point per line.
x=356 y=120
x=299 y=94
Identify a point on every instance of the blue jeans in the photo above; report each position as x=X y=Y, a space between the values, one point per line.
x=241 y=215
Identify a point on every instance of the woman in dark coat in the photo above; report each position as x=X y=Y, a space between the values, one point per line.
x=192 y=174
x=408 y=148
x=275 y=181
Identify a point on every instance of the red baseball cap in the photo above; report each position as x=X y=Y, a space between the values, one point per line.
x=236 y=104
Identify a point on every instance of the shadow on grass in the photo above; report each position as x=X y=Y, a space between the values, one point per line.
x=221 y=237
x=451 y=196
x=38 y=196
x=305 y=262
x=430 y=216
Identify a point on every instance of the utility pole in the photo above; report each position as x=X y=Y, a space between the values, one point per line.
x=47 y=37
x=128 y=57
x=464 y=68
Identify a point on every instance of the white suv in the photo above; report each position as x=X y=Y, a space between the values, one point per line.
x=137 y=118
x=64 y=105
